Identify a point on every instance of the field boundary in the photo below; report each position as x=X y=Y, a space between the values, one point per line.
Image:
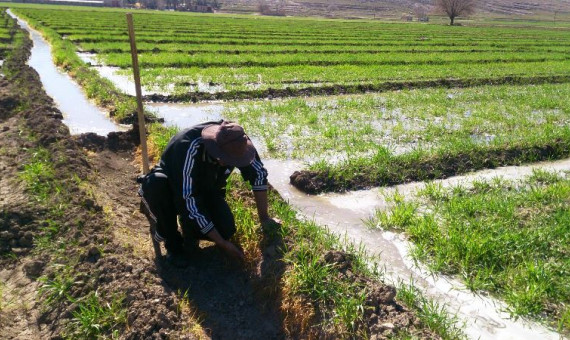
x=355 y=89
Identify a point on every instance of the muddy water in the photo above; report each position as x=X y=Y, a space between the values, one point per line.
x=345 y=215
x=80 y=115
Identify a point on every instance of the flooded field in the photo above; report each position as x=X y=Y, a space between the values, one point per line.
x=294 y=134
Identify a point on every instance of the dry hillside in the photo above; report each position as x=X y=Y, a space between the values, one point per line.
x=393 y=8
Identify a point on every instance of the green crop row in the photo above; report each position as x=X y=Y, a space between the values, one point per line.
x=518 y=239
x=171 y=59
x=185 y=22
x=302 y=76
x=6 y=33
x=167 y=37
x=220 y=27
x=414 y=121
x=105 y=47
x=363 y=38
x=362 y=141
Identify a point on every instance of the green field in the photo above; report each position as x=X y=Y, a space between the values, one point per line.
x=448 y=99
x=445 y=100
x=424 y=122
x=250 y=54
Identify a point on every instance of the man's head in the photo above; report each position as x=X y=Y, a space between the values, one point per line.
x=228 y=143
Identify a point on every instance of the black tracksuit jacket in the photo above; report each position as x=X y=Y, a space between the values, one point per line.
x=193 y=175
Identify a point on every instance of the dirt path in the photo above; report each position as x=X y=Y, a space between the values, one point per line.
x=224 y=295
x=18 y=306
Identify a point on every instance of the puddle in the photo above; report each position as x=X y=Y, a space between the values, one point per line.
x=126 y=84
x=345 y=215
x=207 y=87
x=88 y=58
x=80 y=115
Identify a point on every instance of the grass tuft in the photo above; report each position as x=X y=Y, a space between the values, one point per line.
x=95 y=317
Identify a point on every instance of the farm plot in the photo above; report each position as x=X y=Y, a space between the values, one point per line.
x=361 y=141
x=550 y=114
x=98 y=282
x=518 y=238
x=226 y=57
x=367 y=143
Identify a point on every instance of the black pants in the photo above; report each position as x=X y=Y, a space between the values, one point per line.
x=158 y=205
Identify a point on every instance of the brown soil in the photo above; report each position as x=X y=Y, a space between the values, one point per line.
x=222 y=293
x=104 y=265
x=383 y=316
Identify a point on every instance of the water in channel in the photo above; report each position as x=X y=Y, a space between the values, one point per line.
x=342 y=214
x=79 y=114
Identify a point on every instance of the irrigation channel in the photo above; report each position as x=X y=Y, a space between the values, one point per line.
x=343 y=214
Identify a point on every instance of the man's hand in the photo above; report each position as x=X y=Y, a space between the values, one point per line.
x=232 y=250
x=226 y=245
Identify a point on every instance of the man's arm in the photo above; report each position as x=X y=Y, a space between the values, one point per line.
x=256 y=174
x=262 y=210
x=262 y=205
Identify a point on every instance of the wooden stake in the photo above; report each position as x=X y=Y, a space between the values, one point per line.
x=140 y=111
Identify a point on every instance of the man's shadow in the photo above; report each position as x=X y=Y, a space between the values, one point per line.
x=230 y=300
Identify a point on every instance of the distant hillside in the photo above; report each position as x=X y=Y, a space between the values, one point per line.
x=390 y=8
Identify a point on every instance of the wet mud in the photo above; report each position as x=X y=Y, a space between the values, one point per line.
x=114 y=141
